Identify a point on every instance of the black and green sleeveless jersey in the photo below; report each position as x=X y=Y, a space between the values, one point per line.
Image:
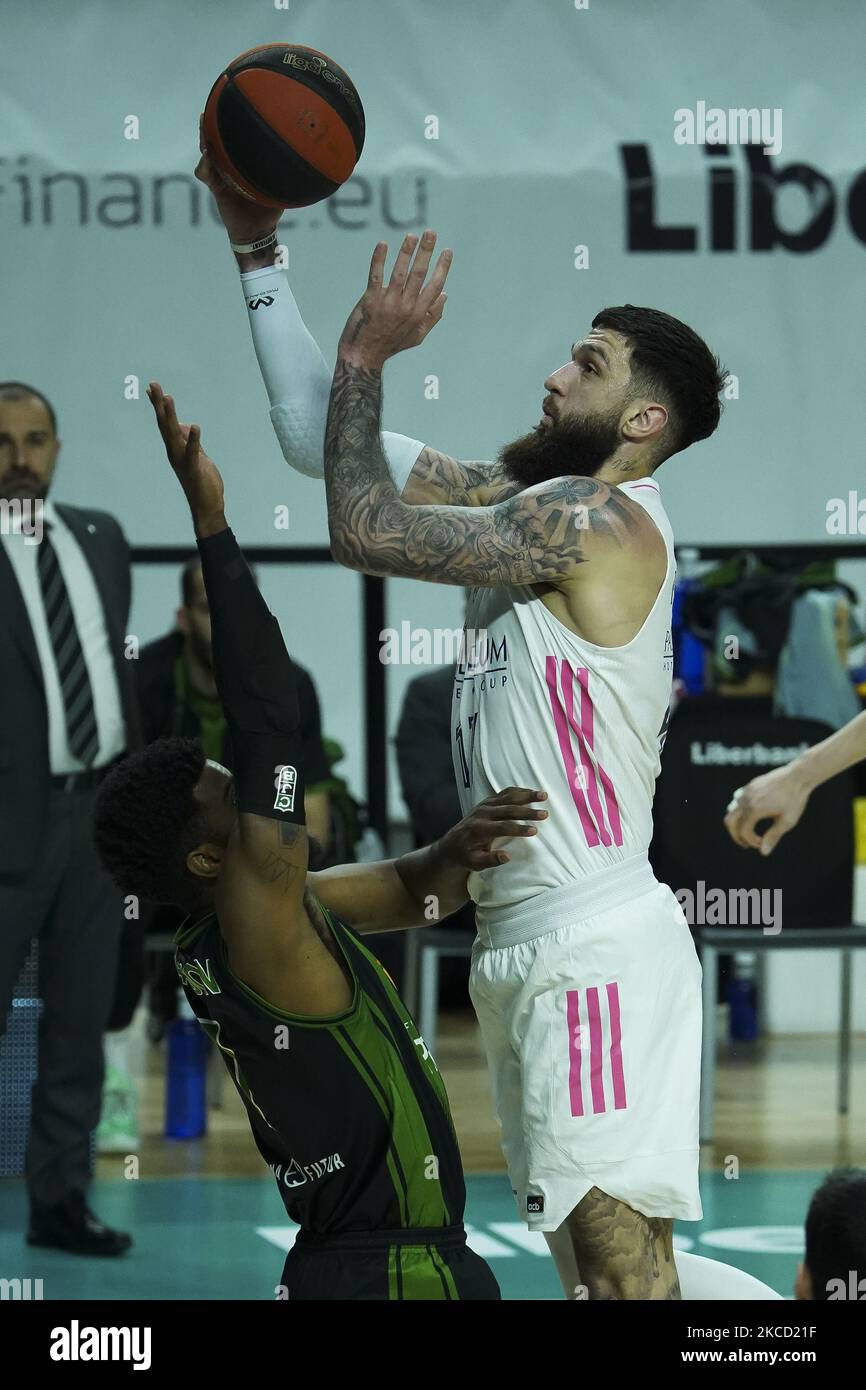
x=349 y=1112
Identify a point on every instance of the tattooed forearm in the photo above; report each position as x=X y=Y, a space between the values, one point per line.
x=438 y=478
x=363 y=320
x=531 y=537
x=354 y=459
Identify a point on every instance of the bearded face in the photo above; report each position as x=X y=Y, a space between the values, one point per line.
x=577 y=445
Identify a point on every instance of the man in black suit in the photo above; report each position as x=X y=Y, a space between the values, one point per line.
x=67 y=712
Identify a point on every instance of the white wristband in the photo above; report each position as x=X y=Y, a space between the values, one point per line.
x=262 y=245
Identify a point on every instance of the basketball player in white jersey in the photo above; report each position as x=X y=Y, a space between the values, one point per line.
x=584 y=975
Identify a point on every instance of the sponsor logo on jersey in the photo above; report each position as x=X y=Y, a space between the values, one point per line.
x=534 y=1204
x=295 y=1174
x=419 y=1042
x=485 y=658
x=287 y=781
x=198 y=977
x=759 y=754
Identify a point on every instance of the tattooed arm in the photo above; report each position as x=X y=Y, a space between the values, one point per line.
x=487 y=536
x=389 y=319
x=438 y=478
x=537 y=536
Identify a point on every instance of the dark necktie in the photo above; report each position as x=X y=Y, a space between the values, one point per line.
x=75 y=686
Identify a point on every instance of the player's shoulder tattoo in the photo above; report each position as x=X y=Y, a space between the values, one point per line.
x=587 y=505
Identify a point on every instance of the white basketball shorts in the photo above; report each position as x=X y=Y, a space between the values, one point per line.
x=593 y=1040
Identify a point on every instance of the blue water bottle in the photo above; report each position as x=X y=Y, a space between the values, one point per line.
x=186 y=1089
x=743 y=998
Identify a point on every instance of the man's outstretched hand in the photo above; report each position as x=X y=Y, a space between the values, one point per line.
x=506 y=814
x=779 y=796
x=197 y=474
x=390 y=318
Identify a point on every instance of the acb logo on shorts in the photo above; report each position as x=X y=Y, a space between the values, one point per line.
x=534 y=1205
x=287 y=780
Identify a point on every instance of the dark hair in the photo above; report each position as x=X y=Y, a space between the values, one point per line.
x=670 y=362
x=19 y=391
x=836 y=1230
x=146 y=821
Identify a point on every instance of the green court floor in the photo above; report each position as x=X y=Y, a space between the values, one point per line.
x=203 y=1238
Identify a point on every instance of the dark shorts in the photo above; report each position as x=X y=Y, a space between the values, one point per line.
x=433 y=1264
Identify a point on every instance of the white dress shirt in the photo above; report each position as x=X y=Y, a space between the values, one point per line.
x=92 y=631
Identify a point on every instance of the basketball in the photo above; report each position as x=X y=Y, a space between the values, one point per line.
x=284 y=125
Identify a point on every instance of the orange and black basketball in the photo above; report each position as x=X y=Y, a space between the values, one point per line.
x=284 y=125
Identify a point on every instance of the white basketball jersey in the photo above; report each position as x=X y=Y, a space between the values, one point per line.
x=535 y=705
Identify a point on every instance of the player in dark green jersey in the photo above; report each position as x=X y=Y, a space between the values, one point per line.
x=345 y=1102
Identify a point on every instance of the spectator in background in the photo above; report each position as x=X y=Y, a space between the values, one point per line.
x=178 y=696
x=424 y=759
x=67 y=713
x=834 y=1264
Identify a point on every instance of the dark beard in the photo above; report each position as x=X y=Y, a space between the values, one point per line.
x=577 y=447
x=32 y=490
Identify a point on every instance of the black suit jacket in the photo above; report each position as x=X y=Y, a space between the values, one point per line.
x=423 y=743
x=424 y=758
x=24 y=755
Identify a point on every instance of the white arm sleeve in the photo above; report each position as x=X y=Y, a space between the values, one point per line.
x=298 y=381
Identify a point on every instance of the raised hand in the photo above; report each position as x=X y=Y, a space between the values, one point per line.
x=390 y=318
x=197 y=474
